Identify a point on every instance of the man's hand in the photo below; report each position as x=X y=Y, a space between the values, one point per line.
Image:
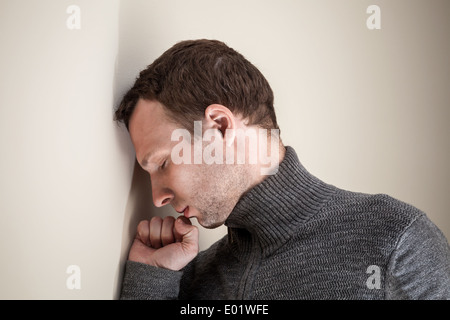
x=167 y=243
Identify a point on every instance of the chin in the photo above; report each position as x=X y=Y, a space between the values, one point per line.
x=210 y=224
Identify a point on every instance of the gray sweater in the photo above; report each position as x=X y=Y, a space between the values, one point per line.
x=296 y=237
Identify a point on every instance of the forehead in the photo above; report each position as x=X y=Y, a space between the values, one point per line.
x=150 y=129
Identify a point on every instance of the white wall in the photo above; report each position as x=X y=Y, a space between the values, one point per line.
x=366 y=110
x=66 y=168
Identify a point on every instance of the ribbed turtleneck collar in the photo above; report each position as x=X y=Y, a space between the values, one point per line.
x=273 y=210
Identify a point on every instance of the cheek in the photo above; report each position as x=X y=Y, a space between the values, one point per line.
x=186 y=179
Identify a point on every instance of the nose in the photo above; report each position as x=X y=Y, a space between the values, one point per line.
x=161 y=194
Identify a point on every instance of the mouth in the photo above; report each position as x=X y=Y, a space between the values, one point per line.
x=184 y=212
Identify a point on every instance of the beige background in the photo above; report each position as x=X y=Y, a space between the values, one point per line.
x=365 y=110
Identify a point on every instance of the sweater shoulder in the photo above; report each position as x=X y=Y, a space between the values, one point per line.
x=378 y=219
x=378 y=206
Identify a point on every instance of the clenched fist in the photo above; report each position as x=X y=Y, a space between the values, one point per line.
x=170 y=243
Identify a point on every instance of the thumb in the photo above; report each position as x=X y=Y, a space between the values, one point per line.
x=185 y=232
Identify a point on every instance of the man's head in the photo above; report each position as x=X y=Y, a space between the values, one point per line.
x=203 y=81
x=194 y=74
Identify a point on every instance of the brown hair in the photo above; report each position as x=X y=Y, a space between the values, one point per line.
x=194 y=74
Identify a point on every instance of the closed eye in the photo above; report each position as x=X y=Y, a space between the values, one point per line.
x=164 y=164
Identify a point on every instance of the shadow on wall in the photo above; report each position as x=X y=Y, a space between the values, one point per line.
x=139 y=204
x=139 y=207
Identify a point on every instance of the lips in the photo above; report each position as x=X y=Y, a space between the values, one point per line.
x=185 y=211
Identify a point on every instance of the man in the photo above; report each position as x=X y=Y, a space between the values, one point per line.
x=290 y=235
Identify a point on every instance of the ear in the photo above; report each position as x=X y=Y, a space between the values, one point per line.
x=221 y=118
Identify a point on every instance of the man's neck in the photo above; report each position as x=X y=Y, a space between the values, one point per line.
x=256 y=176
x=271 y=163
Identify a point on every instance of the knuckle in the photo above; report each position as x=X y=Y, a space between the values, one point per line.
x=142 y=223
x=156 y=220
x=169 y=218
x=142 y=226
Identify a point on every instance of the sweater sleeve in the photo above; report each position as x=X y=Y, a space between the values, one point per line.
x=144 y=282
x=419 y=267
